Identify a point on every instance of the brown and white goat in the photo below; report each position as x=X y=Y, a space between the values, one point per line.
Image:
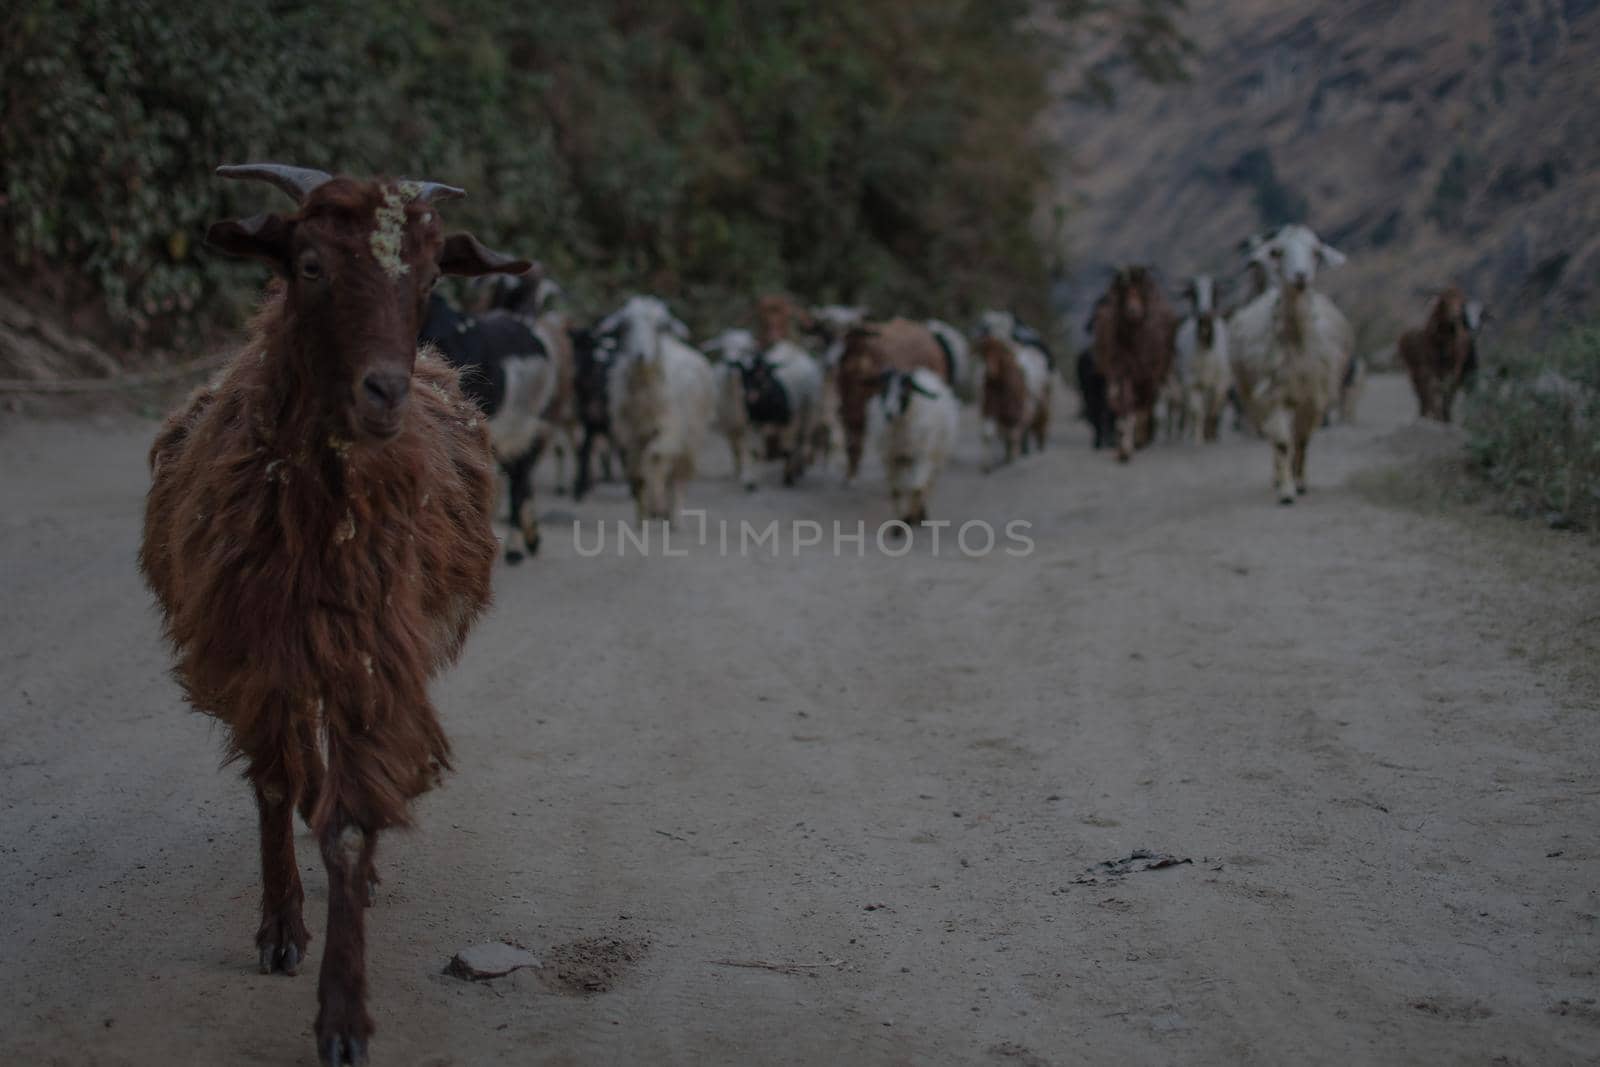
x=1016 y=395
x=317 y=535
x=534 y=300
x=1441 y=354
x=1133 y=337
x=869 y=351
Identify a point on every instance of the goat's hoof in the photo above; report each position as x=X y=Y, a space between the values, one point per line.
x=282 y=940
x=1300 y=490
x=280 y=959
x=1286 y=500
x=513 y=555
x=749 y=487
x=339 y=1050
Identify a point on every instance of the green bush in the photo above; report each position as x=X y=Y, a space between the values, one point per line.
x=1534 y=429
x=881 y=152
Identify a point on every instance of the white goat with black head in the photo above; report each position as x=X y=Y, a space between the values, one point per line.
x=918 y=417
x=1200 y=368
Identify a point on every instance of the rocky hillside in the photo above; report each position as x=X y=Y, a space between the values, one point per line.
x=1431 y=141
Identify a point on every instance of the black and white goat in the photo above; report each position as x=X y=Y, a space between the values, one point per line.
x=507 y=371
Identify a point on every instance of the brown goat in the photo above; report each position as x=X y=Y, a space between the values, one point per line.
x=1439 y=354
x=869 y=351
x=317 y=535
x=1134 y=328
x=779 y=318
x=1016 y=399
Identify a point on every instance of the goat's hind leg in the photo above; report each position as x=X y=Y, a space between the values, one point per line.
x=524 y=534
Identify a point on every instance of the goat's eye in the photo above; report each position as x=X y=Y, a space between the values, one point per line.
x=1277 y=253
x=310 y=268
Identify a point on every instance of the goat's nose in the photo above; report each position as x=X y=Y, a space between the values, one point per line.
x=385 y=389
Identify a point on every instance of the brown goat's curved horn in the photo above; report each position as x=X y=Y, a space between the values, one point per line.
x=293 y=181
x=428 y=192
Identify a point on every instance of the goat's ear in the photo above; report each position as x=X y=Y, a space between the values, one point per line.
x=263 y=237
x=1330 y=256
x=677 y=329
x=463 y=254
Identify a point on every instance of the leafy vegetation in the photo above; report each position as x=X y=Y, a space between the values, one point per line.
x=1535 y=435
x=883 y=151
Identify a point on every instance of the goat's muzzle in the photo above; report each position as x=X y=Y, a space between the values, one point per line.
x=1300 y=281
x=380 y=402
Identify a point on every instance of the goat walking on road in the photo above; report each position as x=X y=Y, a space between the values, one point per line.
x=317 y=535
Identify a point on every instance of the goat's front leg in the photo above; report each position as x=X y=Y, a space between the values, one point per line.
x=524 y=534
x=1127 y=437
x=1280 y=432
x=282 y=937
x=343 y=1026
x=580 y=484
x=855 y=436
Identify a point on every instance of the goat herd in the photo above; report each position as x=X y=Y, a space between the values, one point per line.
x=811 y=382
x=318 y=527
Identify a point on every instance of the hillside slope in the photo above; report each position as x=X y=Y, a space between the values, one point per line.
x=1432 y=142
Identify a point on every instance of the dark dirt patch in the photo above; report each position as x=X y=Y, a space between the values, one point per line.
x=1010 y=1050
x=592 y=965
x=1139 y=860
x=1584 y=1008
x=1453 y=1008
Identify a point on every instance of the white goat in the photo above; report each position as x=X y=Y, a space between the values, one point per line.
x=1290 y=347
x=1200 y=367
x=919 y=417
x=736 y=350
x=832 y=322
x=662 y=392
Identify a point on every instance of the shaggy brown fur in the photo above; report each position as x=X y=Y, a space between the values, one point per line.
x=318 y=555
x=561 y=414
x=1438 y=353
x=1017 y=417
x=779 y=319
x=1134 y=327
x=869 y=351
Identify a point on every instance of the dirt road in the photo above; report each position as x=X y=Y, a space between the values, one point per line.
x=1372 y=729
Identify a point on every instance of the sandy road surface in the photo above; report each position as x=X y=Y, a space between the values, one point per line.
x=1362 y=723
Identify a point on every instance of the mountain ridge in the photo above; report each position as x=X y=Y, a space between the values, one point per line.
x=1433 y=143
